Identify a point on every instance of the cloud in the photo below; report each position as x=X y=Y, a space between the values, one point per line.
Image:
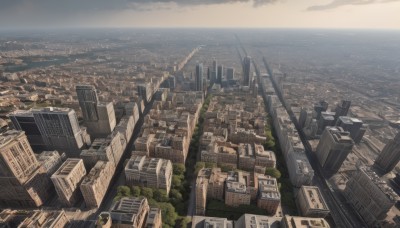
x=93 y=5
x=339 y=3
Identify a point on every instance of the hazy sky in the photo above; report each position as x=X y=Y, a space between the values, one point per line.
x=377 y=14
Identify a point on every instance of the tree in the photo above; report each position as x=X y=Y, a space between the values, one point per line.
x=183 y=222
x=136 y=191
x=273 y=172
x=176 y=182
x=147 y=192
x=160 y=195
x=179 y=169
x=124 y=191
x=175 y=194
x=168 y=213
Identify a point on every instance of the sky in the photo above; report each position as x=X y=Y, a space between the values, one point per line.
x=362 y=14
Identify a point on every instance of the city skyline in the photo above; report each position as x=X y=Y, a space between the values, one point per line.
x=178 y=13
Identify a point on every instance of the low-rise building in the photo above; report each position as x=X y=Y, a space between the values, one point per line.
x=149 y=172
x=301 y=222
x=237 y=191
x=56 y=219
x=269 y=197
x=258 y=221
x=94 y=185
x=253 y=157
x=154 y=219
x=129 y=212
x=202 y=222
x=66 y=180
x=311 y=202
x=50 y=160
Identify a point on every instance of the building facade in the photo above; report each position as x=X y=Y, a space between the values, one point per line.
x=66 y=180
x=311 y=202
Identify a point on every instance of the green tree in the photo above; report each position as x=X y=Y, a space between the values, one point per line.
x=183 y=222
x=122 y=191
x=273 y=172
x=179 y=169
x=176 y=182
x=136 y=191
x=198 y=167
x=160 y=195
x=168 y=213
x=147 y=192
x=175 y=194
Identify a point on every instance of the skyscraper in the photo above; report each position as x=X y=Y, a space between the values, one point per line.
x=246 y=70
x=99 y=116
x=60 y=129
x=230 y=73
x=199 y=77
x=214 y=72
x=88 y=100
x=23 y=181
x=220 y=74
x=333 y=148
x=390 y=155
x=51 y=128
x=342 y=108
x=23 y=120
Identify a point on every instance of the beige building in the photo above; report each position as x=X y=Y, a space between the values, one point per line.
x=253 y=157
x=311 y=203
x=237 y=191
x=203 y=222
x=36 y=218
x=209 y=185
x=269 y=197
x=129 y=212
x=302 y=222
x=104 y=149
x=154 y=219
x=53 y=219
x=66 y=180
x=24 y=181
x=258 y=221
x=94 y=186
x=370 y=196
x=221 y=154
x=149 y=172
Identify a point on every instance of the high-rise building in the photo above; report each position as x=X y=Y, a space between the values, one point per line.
x=149 y=172
x=230 y=73
x=23 y=120
x=60 y=130
x=246 y=71
x=88 y=100
x=342 y=109
x=99 y=117
x=371 y=197
x=52 y=129
x=220 y=74
x=199 y=77
x=23 y=181
x=334 y=146
x=66 y=180
x=214 y=71
x=390 y=155
x=353 y=125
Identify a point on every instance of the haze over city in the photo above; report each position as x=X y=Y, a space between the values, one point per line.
x=366 y=14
